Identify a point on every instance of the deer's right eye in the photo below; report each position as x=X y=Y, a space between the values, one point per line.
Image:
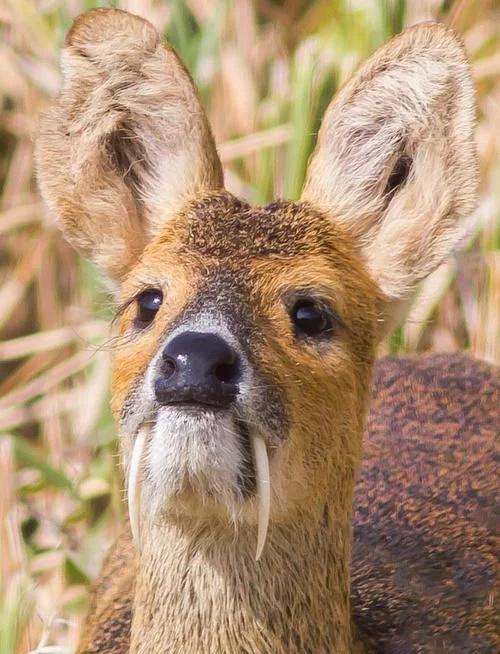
x=148 y=304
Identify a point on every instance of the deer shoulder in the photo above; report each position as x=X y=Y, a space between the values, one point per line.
x=425 y=554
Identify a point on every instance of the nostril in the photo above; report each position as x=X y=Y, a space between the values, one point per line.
x=227 y=372
x=198 y=368
x=168 y=367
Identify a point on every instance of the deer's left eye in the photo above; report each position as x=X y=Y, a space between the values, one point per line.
x=148 y=304
x=310 y=319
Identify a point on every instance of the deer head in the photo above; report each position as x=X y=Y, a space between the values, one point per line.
x=246 y=335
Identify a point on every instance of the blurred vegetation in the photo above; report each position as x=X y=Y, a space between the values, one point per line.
x=266 y=70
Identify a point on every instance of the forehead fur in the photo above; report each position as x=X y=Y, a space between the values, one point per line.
x=221 y=226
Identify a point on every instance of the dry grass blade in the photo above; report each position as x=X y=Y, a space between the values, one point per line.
x=246 y=145
x=47 y=380
x=48 y=407
x=19 y=216
x=15 y=287
x=55 y=338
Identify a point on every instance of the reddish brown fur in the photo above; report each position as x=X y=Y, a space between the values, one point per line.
x=249 y=259
x=425 y=551
x=268 y=249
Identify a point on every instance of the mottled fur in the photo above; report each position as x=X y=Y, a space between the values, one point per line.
x=128 y=165
x=425 y=555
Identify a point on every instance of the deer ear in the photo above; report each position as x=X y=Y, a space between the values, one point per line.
x=126 y=142
x=395 y=161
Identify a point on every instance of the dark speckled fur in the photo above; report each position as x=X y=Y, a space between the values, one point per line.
x=424 y=555
x=280 y=229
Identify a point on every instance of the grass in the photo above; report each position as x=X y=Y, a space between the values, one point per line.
x=266 y=70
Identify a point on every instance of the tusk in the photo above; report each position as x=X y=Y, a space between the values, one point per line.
x=261 y=461
x=134 y=485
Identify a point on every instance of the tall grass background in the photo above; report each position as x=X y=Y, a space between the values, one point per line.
x=266 y=70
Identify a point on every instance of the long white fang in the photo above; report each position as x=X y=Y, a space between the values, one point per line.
x=261 y=461
x=134 y=486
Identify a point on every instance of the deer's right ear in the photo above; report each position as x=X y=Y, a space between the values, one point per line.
x=126 y=142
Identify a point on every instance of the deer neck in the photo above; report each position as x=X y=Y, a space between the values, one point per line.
x=199 y=589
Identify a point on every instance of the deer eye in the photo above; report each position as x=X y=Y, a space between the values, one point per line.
x=148 y=304
x=310 y=319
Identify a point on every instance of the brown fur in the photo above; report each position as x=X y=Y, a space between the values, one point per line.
x=425 y=561
x=425 y=554
x=128 y=165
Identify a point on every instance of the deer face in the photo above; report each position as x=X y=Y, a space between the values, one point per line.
x=237 y=323
x=246 y=335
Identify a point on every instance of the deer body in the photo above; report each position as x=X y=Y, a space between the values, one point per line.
x=247 y=342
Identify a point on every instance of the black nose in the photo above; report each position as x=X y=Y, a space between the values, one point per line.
x=198 y=368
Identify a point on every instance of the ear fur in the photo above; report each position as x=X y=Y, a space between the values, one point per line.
x=395 y=161
x=126 y=142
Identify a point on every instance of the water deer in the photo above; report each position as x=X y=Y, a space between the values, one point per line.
x=246 y=339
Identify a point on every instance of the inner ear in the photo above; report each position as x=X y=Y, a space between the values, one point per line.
x=128 y=156
x=398 y=176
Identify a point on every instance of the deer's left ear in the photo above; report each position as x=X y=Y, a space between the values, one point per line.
x=396 y=162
